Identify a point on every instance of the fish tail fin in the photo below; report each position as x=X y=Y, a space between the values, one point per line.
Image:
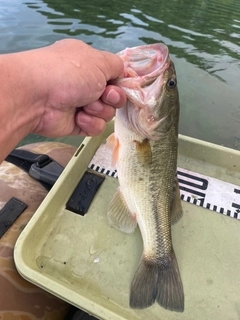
x=157 y=282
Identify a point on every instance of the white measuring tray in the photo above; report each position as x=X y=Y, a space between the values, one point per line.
x=85 y=261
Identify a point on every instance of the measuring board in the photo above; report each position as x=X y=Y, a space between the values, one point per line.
x=195 y=188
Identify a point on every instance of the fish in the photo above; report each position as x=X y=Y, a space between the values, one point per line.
x=144 y=151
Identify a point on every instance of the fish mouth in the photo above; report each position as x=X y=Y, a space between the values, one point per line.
x=144 y=61
x=144 y=68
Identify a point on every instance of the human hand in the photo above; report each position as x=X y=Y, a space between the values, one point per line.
x=57 y=90
x=72 y=94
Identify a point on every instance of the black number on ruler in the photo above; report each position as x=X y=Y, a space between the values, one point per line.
x=193 y=183
x=237 y=191
x=235 y=205
x=237 y=209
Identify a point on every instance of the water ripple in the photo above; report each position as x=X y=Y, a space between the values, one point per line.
x=204 y=34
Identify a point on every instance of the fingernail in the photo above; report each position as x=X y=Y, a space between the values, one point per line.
x=113 y=97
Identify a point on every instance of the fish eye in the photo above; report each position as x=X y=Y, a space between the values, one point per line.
x=172 y=83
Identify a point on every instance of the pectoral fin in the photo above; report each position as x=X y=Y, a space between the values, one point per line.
x=176 y=207
x=113 y=143
x=119 y=215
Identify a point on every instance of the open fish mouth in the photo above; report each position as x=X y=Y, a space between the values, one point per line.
x=143 y=80
x=144 y=61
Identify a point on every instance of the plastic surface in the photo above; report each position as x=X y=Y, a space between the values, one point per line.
x=86 y=262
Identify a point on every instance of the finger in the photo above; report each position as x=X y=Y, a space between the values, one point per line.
x=114 y=96
x=89 y=125
x=100 y=110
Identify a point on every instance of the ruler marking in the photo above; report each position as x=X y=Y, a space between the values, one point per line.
x=200 y=194
x=235 y=205
x=203 y=186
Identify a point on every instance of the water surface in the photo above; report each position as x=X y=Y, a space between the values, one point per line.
x=203 y=38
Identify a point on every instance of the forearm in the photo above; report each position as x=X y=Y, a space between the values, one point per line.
x=17 y=114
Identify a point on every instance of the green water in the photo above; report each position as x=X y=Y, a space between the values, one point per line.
x=203 y=38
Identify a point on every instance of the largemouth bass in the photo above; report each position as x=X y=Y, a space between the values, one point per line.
x=145 y=145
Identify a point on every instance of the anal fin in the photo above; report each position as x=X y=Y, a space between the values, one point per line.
x=119 y=215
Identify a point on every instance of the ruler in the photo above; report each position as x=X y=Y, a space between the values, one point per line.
x=200 y=190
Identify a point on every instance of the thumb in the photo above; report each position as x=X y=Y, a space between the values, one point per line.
x=113 y=65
